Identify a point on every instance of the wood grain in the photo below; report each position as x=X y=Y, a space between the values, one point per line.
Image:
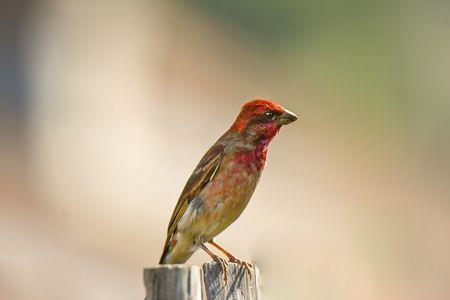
x=240 y=284
x=173 y=282
x=179 y=282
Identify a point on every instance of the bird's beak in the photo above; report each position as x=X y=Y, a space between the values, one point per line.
x=287 y=117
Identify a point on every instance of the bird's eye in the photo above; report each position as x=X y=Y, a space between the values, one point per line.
x=269 y=114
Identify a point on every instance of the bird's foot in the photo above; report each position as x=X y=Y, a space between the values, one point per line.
x=231 y=258
x=248 y=266
x=223 y=266
x=221 y=261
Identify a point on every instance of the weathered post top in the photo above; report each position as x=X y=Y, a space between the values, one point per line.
x=179 y=282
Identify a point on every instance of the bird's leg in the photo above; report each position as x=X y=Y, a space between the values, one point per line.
x=231 y=257
x=222 y=262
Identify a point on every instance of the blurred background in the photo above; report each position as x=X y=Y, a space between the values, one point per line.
x=107 y=106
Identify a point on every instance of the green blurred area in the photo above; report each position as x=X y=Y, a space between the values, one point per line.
x=358 y=48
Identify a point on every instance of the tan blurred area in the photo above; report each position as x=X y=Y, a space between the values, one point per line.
x=107 y=106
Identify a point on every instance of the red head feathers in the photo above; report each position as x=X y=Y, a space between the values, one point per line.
x=260 y=113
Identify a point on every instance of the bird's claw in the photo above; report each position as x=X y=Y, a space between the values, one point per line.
x=223 y=266
x=248 y=266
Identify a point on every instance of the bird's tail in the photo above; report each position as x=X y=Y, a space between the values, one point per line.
x=177 y=251
x=165 y=253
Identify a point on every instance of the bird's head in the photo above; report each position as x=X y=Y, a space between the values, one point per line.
x=262 y=119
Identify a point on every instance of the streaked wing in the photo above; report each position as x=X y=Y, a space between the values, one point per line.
x=203 y=173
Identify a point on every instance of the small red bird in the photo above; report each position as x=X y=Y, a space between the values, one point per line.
x=223 y=182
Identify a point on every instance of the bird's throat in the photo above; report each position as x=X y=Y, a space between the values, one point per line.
x=254 y=157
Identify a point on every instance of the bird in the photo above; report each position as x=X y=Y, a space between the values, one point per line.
x=222 y=184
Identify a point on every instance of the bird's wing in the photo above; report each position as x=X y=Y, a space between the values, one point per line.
x=203 y=173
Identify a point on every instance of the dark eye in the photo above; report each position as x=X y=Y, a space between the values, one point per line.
x=269 y=115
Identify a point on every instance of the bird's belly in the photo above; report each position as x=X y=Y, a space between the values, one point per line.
x=217 y=206
x=224 y=200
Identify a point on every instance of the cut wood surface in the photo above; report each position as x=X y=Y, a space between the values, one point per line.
x=189 y=282
x=173 y=282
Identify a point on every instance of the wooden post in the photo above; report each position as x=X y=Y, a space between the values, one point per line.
x=188 y=282
x=240 y=284
x=177 y=282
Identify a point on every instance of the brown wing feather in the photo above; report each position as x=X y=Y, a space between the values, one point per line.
x=203 y=173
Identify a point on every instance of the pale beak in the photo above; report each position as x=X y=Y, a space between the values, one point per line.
x=287 y=117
